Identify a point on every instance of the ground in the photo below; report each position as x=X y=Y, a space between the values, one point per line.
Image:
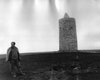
x=54 y=66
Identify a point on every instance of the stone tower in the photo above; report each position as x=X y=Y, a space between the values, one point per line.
x=67 y=34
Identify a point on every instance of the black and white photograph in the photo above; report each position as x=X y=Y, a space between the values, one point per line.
x=49 y=39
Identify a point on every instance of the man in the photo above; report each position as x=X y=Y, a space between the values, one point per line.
x=13 y=57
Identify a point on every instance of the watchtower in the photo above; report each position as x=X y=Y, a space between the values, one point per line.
x=67 y=34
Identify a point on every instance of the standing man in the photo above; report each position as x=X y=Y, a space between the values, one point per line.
x=13 y=57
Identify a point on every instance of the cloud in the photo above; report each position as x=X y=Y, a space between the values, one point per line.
x=87 y=14
x=33 y=24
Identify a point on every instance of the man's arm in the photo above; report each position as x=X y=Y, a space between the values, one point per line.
x=8 y=55
x=19 y=57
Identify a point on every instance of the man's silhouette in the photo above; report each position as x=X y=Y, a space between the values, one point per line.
x=13 y=57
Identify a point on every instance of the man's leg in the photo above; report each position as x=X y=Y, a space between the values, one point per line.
x=19 y=68
x=13 y=68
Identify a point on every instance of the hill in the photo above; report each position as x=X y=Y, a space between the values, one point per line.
x=53 y=66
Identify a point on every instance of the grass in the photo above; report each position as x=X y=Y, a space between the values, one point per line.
x=53 y=66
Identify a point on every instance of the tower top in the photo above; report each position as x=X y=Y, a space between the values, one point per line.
x=66 y=15
x=67 y=18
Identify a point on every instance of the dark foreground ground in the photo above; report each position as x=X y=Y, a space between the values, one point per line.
x=55 y=66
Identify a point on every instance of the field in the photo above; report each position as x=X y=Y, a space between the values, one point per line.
x=55 y=66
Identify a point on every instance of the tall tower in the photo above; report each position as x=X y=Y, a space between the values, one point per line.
x=67 y=34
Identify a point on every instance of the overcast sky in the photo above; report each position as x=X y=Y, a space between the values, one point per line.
x=33 y=24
